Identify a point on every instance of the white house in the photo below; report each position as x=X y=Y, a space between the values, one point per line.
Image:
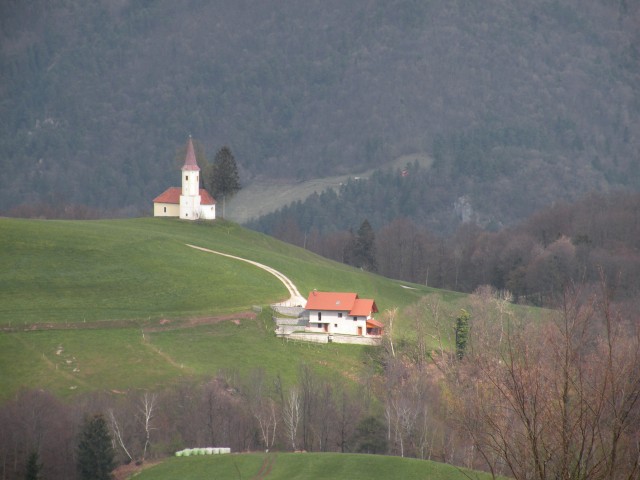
x=342 y=313
x=189 y=202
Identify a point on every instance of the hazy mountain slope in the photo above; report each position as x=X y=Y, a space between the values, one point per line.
x=532 y=100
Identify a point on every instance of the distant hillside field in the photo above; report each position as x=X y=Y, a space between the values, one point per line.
x=265 y=196
x=120 y=304
x=304 y=466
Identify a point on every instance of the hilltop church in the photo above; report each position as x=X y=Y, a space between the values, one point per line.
x=189 y=202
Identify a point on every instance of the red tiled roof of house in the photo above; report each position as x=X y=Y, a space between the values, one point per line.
x=363 y=307
x=330 y=301
x=172 y=195
x=373 y=323
x=190 y=162
x=341 y=301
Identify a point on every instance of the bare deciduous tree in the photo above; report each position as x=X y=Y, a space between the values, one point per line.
x=291 y=415
x=116 y=432
x=559 y=399
x=146 y=410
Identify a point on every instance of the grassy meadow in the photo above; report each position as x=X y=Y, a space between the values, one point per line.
x=108 y=305
x=316 y=466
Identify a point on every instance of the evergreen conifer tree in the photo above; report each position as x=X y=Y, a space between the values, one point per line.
x=462 y=333
x=223 y=179
x=34 y=467
x=96 y=458
x=365 y=248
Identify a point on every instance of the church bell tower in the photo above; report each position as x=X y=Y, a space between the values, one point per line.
x=190 y=197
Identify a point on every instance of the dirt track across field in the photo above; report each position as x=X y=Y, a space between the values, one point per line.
x=294 y=295
x=166 y=324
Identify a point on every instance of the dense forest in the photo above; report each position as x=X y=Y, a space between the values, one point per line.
x=519 y=103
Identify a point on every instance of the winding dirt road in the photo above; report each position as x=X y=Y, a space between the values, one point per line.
x=295 y=298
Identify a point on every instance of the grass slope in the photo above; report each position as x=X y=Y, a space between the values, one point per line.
x=117 y=293
x=75 y=271
x=309 y=466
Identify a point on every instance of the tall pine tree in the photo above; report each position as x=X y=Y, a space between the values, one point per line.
x=222 y=178
x=96 y=458
x=365 y=248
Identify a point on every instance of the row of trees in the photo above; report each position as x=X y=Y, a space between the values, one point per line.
x=534 y=260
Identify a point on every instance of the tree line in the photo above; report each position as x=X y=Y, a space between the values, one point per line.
x=535 y=260
x=513 y=391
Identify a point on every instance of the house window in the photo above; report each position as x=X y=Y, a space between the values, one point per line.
x=186 y=177
x=165 y=209
x=335 y=325
x=339 y=314
x=355 y=318
x=319 y=325
x=319 y=316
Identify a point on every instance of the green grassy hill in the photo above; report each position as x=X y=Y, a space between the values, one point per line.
x=316 y=466
x=125 y=304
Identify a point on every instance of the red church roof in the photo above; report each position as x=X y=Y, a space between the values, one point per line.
x=190 y=162
x=172 y=195
x=206 y=198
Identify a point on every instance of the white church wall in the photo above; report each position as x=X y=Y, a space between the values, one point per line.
x=208 y=212
x=166 y=210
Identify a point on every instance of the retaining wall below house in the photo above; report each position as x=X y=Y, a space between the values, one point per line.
x=288 y=311
x=326 y=338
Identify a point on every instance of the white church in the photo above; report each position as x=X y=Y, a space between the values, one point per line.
x=189 y=202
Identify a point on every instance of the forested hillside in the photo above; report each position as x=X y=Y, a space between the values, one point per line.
x=536 y=259
x=519 y=103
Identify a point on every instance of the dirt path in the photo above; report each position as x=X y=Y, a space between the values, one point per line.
x=265 y=468
x=294 y=295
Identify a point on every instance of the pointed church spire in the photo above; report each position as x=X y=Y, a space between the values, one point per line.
x=190 y=160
